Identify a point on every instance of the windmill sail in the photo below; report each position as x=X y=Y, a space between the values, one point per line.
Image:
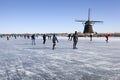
x=89 y=14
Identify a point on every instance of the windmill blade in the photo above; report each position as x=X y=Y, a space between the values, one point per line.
x=89 y=14
x=80 y=20
x=96 y=21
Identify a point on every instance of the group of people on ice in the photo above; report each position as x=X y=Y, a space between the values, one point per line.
x=55 y=40
x=91 y=36
x=74 y=38
x=71 y=37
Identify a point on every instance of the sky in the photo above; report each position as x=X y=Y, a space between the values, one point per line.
x=58 y=16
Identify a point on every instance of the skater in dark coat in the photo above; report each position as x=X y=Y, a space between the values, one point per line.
x=91 y=37
x=7 y=37
x=69 y=36
x=44 y=39
x=54 y=39
x=33 y=39
x=75 y=40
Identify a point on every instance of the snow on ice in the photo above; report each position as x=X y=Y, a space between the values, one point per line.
x=93 y=60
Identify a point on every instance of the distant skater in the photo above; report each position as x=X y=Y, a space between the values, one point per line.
x=44 y=39
x=54 y=39
x=33 y=39
x=107 y=37
x=15 y=37
x=7 y=37
x=91 y=37
x=28 y=37
x=69 y=36
x=75 y=40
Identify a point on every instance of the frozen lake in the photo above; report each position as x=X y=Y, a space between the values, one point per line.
x=93 y=60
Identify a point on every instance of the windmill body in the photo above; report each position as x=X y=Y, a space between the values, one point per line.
x=88 y=27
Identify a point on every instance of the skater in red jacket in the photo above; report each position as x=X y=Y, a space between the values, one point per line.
x=107 y=37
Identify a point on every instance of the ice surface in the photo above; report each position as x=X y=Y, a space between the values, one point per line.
x=93 y=60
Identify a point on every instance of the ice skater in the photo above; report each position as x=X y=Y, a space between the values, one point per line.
x=33 y=39
x=75 y=40
x=107 y=37
x=69 y=36
x=54 y=39
x=44 y=39
x=7 y=37
x=91 y=37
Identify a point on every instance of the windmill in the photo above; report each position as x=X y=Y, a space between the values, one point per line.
x=88 y=24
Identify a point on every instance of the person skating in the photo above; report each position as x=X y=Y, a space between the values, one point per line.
x=69 y=36
x=44 y=39
x=91 y=37
x=7 y=37
x=75 y=40
x=54 y=39
x=107 y=37
x=33 y=39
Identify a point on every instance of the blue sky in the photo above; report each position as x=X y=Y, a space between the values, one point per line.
x=49 y=16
